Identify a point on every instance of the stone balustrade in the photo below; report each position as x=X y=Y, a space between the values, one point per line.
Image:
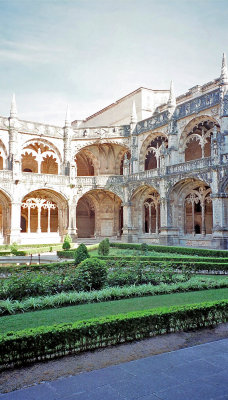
x=189 y=165
x=151 y=173
x=6 y=175
x=102 y=132
x=104 y=180
x=31 y=178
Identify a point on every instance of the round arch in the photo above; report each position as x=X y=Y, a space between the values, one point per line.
x=191 y=210
x=44 y=211
x=98 y=214
x=5 y=215
x=195 y=140
x=146 y=143
x=145 y=202
x=42 y=156
x=3 y=155
x=104 y=156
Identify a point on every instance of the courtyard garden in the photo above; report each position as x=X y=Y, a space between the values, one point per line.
x=110 y=294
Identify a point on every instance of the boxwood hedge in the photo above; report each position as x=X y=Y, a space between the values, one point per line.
x=42 y=343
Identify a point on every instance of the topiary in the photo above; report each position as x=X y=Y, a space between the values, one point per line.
x=144 y=247
x=67 y=242
x=14 y=248
x=81 y=254
x=91 y=274
x=103 y=248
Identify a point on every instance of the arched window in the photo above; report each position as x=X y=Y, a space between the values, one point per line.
x=154 y=152
x=198 y=211
x=197 y=143
x=152 y=213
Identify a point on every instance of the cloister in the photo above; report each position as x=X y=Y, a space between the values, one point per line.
x=159 y=180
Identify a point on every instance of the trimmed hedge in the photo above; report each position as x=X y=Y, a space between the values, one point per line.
x=30 y=250
x=191 y=266
x=71 y=253
x=42 y=343
x=35 y=267
x=165 y=259
x=114 y=293
x=173 y=249
x=66 y=254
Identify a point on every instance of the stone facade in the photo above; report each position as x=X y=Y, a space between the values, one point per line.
x=161 y=180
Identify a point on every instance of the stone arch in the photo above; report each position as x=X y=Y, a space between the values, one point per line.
x=105 y=158
x=152 y=137
x=40 y=155
x=98 y=214
x=87 y=163
x=145 y=202
x=195 y=140
x=191 y=207
x=5 y=215
x=45 y=211
x=120 y=159
x=3 y=155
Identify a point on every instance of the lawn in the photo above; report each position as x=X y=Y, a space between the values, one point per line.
x=86 y=311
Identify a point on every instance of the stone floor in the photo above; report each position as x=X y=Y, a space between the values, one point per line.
x=193 y=373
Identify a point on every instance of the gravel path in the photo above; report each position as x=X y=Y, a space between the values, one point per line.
x=47 y=371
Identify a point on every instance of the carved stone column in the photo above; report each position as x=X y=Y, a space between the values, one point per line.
x=168 y=234
x=68 y=133
x=219 y=231
x=72 y=227
x=127 y=224
x=15 y=222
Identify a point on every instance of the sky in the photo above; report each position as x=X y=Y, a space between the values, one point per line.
x=90 y=53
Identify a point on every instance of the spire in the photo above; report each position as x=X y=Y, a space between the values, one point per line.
x=133 y=114
x=13 y=109
x=172 y=98
x=68 y=117
x=224 y=73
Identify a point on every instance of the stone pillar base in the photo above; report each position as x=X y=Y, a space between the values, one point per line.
x=74 y=236
x=169 y=237
x=14 y=237
x=220 y=243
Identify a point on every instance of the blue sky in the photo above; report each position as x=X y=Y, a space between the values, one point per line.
x=89 y=53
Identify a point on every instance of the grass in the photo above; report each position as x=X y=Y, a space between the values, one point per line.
x=87 y=311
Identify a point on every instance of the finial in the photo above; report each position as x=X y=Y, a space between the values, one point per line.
x=134 y=114
x=13 y=109
x=68 y=117
x=224 y=73
x=172 y=98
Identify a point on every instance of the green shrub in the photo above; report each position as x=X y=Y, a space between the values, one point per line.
x=103 y=248
x=91 y=274
x=81 y=254
x=14 y=248
x=67 y=242
x=144 y=247
x=18 y=348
